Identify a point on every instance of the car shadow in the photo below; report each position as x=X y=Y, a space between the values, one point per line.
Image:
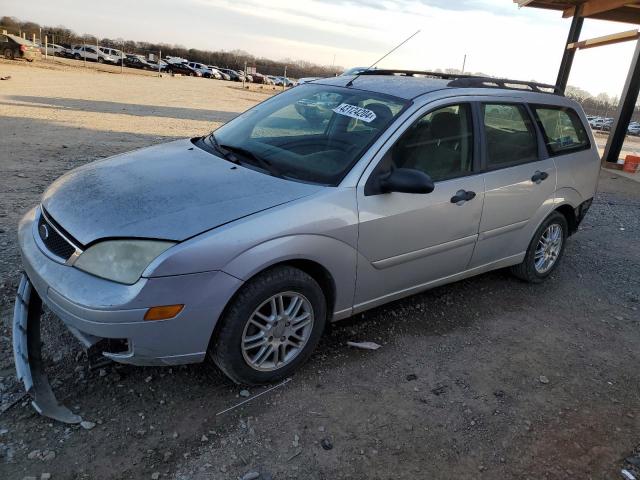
x=138 y=110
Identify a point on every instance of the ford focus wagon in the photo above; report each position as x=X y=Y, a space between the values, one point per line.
x=321 y=202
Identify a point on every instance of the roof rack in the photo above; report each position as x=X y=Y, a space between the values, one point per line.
x=466 y=81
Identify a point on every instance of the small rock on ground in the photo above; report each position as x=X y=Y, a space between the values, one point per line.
x=251 y=476
x=87 y=425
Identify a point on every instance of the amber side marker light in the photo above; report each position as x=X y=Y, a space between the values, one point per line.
x=164 y=312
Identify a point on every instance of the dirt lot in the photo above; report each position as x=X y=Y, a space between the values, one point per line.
x=486 y=378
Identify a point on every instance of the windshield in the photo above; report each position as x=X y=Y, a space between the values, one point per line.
x=312 y=133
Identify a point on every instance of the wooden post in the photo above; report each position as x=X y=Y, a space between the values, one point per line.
x=46 y=47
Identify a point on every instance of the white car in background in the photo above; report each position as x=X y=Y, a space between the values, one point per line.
x=204 y=70
x=217 y=73
x=633 y=128
x=55 y=49
x=91 y=53
x=113 y=52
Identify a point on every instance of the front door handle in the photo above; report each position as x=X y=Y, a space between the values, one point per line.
x=539 y=176
x=462 y=196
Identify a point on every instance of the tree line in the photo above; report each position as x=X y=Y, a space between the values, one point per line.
x=234 y=59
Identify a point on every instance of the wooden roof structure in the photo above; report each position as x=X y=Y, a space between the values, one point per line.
x=613 y=10
x=626 y=11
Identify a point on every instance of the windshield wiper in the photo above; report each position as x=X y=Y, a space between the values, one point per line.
x=226 y=154
x=262 y=162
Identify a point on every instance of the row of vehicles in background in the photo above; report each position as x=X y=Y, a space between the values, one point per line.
x=606 y=123
x=171 y=65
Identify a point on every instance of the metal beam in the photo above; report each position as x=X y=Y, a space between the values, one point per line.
x=625 y=110
x=567 y=57
x=605 y=40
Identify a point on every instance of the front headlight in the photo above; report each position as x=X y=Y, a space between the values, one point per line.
x=122 y=261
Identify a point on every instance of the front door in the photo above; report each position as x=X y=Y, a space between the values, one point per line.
x=408 y=241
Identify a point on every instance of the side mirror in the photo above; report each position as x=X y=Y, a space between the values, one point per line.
x=406 y=180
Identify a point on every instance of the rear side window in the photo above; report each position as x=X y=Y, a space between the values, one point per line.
x=511 y=138
x=562 y=129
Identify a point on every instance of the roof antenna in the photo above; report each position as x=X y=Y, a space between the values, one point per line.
x=382 y=58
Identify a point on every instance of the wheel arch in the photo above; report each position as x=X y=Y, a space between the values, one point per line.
x=569 y=214
x=329 y=261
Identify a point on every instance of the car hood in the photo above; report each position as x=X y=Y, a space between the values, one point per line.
x=171 y=191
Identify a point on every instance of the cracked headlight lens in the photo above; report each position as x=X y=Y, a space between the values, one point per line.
x=122 y=261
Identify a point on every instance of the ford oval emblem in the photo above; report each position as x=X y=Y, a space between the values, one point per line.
x=44 y=231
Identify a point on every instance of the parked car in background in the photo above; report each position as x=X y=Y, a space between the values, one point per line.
x=600 y=123
x=138 y=61
x=304 y=80
x=633 y=129
x=93 y=54
x=160 y=65
x=202 y=68
x=234 y=75
x=282 y=81
x=261 y=79
x=247 y=76
x=182 y=69
x=113 y=52
x=355 y=71
x=55 y=50
x=223 y=75
x=14 y=47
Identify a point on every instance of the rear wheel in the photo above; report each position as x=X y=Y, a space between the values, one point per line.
x=545 y=250
x=271 y=327
x=77 y=56
x=8 y=54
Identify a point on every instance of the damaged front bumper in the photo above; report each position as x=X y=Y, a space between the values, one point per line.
x=108 y=318
x=27 y=353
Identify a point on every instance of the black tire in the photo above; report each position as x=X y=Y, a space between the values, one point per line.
x=527 y=270
x=100 y=60
x=8 y=54
x=225 y=347
x=77 y=56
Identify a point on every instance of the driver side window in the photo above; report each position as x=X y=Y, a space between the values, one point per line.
x=440 y=143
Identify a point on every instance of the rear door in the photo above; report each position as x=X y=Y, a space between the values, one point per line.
x=520 y=181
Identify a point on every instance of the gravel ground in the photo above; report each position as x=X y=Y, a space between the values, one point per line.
x=485 y=378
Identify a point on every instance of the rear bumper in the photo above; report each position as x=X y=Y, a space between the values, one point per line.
x=95 y=309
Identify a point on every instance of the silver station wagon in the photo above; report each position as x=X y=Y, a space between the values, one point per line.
x=329 y=199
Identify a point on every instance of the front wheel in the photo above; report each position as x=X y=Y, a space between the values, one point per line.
x=270 y=328
x=545 y=250
x=8 y=54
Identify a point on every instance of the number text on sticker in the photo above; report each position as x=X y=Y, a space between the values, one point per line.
x=355 y=112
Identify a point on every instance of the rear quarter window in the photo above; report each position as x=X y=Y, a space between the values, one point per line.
x=562 y=129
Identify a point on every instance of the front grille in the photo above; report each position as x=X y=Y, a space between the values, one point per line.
x=54 y=242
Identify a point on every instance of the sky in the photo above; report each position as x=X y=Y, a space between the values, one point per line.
x=498 y=38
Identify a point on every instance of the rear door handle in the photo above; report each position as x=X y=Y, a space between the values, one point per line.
x=462 y=196
x=539 y=176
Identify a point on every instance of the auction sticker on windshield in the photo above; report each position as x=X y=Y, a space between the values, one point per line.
x=355 y=112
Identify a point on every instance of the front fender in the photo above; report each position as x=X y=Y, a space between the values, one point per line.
x=337 y=257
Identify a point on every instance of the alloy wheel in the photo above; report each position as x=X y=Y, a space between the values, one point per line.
x=548 y=248
x=277 y=331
